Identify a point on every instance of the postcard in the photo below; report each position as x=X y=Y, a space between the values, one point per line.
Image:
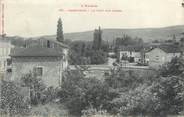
x=91 y=58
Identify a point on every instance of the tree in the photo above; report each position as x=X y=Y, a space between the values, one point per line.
x=98 y=57
x=97 y=42
x=80 y=93
x=169 y=92
x=182 y=46
x=79 y=53
x=60 y=36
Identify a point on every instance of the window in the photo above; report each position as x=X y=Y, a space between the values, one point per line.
x=48 y=44
x=9 y=70
x=130 y=52
x=9 y=62
x=157 y=58
x=38 y=71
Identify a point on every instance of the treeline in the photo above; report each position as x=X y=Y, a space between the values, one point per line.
x=127 y=40
x=95 y=52
x=82 y=53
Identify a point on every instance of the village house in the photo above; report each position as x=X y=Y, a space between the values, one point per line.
x=48 y=59
x=5 y=47
x=130 y=53
x=160 y=55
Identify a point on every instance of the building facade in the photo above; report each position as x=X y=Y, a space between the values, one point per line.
x=159 y=56
x=5 y=47
x=130 y=53
x=47 y=63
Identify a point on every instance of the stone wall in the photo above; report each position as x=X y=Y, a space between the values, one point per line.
x=52 y=68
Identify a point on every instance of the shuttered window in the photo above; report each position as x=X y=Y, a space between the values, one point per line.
x=38 y=71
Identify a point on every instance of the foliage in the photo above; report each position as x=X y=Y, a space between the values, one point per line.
x=60 y=36
x=159 y=95
x=80 y=93
x=49 y=95
x=170 y=95
x=161 y=98
x=175 y=67
x=127 y=40
x=97 y=41
x=98 y=57
x=119 y=78
x=81 y=53
x=12 y=101
x=36 y=86
x=139 y=101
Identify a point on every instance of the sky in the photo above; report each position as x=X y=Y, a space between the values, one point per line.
x=29 y=18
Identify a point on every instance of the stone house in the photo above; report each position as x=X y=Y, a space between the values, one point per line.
x=47 y=62
x=50 y=43
x=160 y=55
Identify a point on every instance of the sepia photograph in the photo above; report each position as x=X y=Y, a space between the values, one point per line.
x=92 y=58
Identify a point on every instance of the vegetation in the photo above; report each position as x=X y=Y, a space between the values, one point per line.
x=82 y=53
x=122 y=93
x=126 y=93
x=97 y=41
x=12 y=100
x=39 y=93
x=127 y=40
x=175 y=67
x=60 y=36
x=80 y=93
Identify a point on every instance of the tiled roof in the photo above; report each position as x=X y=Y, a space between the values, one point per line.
x=131 y=48
x=35 y=52
x=168 y=48
x=60 y=44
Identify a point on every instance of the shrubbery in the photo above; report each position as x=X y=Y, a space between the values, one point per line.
x=161 y=95
x=12 y=101
x=39 y=93
x=80 y=93
x=122 y=92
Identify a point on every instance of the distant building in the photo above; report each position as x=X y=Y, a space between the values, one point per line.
x=47 y=62
x=130 y=52
x=160 y=55
x=5 y=47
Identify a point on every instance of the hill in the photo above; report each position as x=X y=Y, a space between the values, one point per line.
x=147 y=34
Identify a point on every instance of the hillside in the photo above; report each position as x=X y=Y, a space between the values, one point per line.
x=147 y=34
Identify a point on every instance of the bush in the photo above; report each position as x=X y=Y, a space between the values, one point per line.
x=98 y=57
x=12 y=101
x=139 y=101
x=175 y=67
x=119 y=78
x=36 y=86
x=170 y=94
x=79 y=93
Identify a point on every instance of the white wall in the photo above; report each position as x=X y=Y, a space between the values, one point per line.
x=5 y=48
